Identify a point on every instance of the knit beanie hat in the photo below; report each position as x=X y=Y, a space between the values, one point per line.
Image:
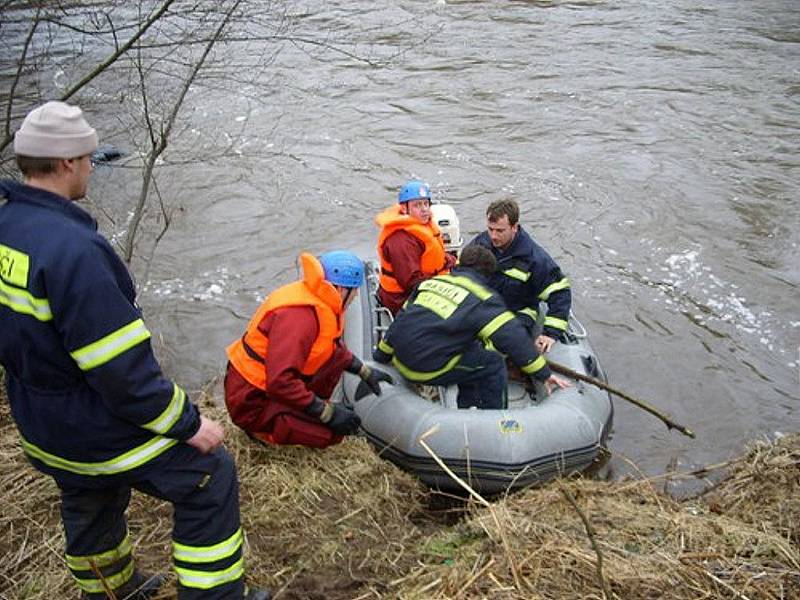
x=55 y=130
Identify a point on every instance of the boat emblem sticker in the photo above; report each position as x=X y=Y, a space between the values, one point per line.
x=510 y=426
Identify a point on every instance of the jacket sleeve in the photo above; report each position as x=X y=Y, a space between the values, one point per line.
x=549 y=285
x=501 y=330
x=104 y=333
x=324 y=381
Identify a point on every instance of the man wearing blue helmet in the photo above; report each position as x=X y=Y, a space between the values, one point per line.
x=284 y=368
x=410 y=245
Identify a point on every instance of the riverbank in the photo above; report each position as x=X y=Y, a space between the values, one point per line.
x=342 y=523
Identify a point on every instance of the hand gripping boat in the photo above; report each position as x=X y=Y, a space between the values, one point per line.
x=530 y=442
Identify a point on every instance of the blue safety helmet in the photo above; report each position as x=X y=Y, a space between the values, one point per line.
x=342 y=268
x=414 y=190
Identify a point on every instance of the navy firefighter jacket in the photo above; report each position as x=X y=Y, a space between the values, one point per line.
x=526 y=275
x=86 y=391
x=443 y=317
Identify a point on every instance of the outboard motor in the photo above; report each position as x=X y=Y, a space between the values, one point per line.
x=445 y=217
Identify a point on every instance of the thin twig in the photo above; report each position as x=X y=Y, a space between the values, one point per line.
x=17 y=76
x=591 y=533
x=500 y=529
x=109 y=592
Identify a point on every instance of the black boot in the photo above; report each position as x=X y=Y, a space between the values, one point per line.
x=257 y=594
x=138 y=587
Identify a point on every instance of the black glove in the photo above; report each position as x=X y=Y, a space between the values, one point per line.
x=372 y=377
x=342 y=420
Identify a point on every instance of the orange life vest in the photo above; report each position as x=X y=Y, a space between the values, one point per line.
x=247 y=354
x=433 y=259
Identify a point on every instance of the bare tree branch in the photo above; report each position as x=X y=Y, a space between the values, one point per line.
x=17 y=75
x=103 y=65
x=161 y=145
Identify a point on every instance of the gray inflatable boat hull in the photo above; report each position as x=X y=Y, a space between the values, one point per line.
x=492 y=450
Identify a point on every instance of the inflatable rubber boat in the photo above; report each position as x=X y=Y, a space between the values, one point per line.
x=536 y=438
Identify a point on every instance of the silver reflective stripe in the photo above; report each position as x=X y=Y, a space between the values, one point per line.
x=205 y=580
x=125 y=462
x=205 y=554
x=115 y=343
x=164 y=422
x=21 y=301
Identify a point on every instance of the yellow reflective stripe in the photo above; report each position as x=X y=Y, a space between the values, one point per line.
x=124 y=462
x=531 y=312
x=476 y=288
x=205 y=580
x=384 y=347
x=206 y=554
x=23 y=302
x=487 y=330
x=519 y=274
x=14 y=266
x=419 y=376
x=95 y=586
x=561 y=284
x=164 y=422
x=81 y=563
x=103 y=350
x=533 y=367
x=555 y=323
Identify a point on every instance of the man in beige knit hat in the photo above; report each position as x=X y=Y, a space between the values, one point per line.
x=93 y=408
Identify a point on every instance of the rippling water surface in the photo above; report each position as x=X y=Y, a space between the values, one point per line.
x=653 y=148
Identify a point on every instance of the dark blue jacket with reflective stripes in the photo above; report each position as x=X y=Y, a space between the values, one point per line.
x=527 y=274
x=86 y=391
x=443 y=317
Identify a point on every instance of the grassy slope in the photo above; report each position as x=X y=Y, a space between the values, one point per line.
x=342 y=523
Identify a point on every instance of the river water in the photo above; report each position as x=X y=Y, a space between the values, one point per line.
x=652 y=146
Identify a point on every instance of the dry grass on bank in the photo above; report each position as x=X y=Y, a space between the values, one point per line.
x=342 y=523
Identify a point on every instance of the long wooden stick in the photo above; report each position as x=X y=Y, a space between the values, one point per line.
x=558 y=368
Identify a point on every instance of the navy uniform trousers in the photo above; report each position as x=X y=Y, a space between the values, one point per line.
x=207 y=535
x=481 y=376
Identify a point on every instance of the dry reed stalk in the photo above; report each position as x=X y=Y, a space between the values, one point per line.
x=500 y=529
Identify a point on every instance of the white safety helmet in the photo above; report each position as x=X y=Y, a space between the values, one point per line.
x=445 y=217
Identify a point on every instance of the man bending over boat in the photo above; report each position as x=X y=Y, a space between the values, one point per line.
x=448 y=329
x=526 y=274
x=286 y=365
x=410 y=245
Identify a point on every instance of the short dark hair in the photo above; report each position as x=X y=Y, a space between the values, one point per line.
x=479 y=258
x=34 y=165
x=507 y=207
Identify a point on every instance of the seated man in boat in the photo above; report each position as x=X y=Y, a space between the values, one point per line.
x=410 y=245
x=526 y=274
x=443 y=335
x=290 y=358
